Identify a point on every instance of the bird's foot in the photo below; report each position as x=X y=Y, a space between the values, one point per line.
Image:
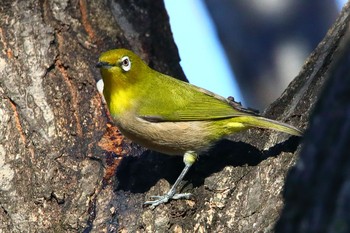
x=189 y=158
x=165 y=198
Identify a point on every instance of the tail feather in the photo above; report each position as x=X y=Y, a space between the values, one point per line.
x=262 y=122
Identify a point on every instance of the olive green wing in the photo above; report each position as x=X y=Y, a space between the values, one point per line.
x=174 y=100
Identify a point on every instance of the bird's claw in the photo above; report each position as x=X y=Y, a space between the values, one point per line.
x=165 y=198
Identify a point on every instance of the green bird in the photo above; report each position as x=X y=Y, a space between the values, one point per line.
x=170 y=116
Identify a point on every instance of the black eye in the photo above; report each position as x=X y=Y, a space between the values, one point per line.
x=126 y=63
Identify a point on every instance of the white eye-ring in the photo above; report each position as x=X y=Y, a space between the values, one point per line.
x=126 y=63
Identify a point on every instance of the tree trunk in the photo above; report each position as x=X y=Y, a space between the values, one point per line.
x=317 y=192
x=66 y=168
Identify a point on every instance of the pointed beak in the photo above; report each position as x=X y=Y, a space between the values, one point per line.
x=102 y=64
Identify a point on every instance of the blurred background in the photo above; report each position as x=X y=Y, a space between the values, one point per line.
x=248 y=49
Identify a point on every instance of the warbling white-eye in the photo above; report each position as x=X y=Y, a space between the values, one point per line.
x=168 y=115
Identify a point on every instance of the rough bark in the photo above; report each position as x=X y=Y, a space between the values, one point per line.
x=65 y=168
x=317 y=190
x=53 y=176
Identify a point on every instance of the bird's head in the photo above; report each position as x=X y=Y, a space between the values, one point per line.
x=121 y=66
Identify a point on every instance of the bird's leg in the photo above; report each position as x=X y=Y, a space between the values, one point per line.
x=189 y=159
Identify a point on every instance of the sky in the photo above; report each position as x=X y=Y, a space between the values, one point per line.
x=203 y=62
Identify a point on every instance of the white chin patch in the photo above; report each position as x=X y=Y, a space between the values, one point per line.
x=100 y=86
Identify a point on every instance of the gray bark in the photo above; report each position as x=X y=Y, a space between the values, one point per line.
x=317 y=190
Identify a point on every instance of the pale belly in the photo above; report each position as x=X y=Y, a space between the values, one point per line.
x=173 y=138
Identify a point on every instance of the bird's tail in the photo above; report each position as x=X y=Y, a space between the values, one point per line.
x=262 y=122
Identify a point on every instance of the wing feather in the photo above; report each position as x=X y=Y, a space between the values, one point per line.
x=185 y=102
